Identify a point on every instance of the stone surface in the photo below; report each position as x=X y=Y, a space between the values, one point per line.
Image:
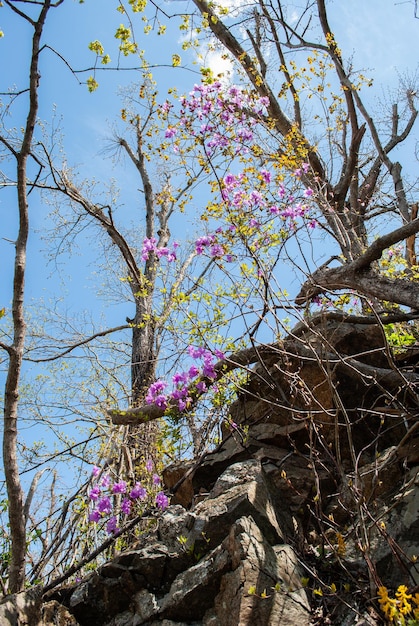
x=267 y=525
x=56 y=614
x=258 y=570
x=21 y=609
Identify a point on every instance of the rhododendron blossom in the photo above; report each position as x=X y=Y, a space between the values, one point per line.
x=109 y=507
x=150 y=246
x=183 y=381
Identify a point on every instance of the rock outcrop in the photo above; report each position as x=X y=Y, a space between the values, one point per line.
x=309 y=503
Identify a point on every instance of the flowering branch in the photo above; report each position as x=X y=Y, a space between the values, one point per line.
x=153 y=411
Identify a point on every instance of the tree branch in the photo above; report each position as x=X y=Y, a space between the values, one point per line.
x=291 y=347
x=83 y=342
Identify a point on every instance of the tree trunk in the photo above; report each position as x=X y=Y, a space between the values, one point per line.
x=141 y=439
x=17 y=517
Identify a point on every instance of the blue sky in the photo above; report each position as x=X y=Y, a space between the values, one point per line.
x=382 y=36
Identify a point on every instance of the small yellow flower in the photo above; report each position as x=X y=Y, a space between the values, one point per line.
x=387 y=604
x=403 y=598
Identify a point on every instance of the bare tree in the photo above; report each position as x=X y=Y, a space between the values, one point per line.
x=21 y=151
x=352 y=171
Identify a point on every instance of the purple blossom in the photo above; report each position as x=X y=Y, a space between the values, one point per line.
x=201 y=386
x=150 y=245
x=208 y=370
x=138 y=492
x=183 y=404
x=218 y=141
x=244 y=134
x=94 y=493
x=308 y=193
x=105 y=482
x=161 y=500
x=104 y=505
x=180 y=378
x=170 y=132
x=202 y=242
x=195 y=353
x=266 y=176
x=256 y=198
x=179 y=393
x=94 y=516
x=149 y=465
x=216 y=250
x=161 y=401
x=120 y=487
x=95 y=471
x=126 y=506
x=156 y=479
x=111 y=526
x=154 y=393
x=193 y=371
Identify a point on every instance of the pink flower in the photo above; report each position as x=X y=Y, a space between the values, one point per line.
x=138 y=492
x=94 y=516
x=161 y=500
x=201 y=386
x=216 y=250
x=193 y=371
x=166 y=106
x=104 y=505
x=120 y=487
x=94 y=493
x=170 y=132
x=111 y=526
x=196 y=353
x=105 y=482
x=156 y=479
x=266 y=176
x=126 y=506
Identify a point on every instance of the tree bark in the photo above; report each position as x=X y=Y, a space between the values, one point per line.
x=15 y=350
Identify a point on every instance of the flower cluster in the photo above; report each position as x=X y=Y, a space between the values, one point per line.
x=287 y=208
x=104 y=497
x=208 y=104
x=194 y=378
x=150 y=246
x=399 y=609
x=208 y=242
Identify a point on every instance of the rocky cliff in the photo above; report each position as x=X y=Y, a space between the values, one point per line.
x=308 y=505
